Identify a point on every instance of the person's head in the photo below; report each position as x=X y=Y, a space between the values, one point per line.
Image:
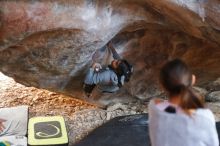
x=177 y=80
x=122 y=67
x=115 y=63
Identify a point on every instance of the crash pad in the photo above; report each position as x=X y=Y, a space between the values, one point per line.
x=13 y=141
x=129 y=130
x=16 y=120
x=47 y=131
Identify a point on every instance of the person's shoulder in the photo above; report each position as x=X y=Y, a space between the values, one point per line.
x=156 y=100
x=161 y=104
x=206 y=113
x=154 y=103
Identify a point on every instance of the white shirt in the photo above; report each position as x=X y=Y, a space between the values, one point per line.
x=163 y=105
x=179 y=129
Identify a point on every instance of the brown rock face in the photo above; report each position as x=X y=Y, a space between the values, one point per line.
x=49 y=44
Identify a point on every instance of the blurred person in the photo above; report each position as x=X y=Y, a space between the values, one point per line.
x=183 y=119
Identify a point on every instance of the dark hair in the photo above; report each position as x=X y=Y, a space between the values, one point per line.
x=176 y=78
x=126 y=69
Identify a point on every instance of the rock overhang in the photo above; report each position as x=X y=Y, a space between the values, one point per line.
x=49 y=44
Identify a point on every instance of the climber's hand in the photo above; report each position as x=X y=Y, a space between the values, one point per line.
x=109 y=45
x=96 y=66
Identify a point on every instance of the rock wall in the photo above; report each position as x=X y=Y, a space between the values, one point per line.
x=49 y=44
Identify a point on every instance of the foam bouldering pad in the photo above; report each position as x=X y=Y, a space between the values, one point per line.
x=129 y=130
x=16 y=120
x=47 y=131
x=13 y=141
x=218 y=129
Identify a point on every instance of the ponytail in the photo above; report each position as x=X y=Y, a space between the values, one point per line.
x=190 y=100
x=176 y=79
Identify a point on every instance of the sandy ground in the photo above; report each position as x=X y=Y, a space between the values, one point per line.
x=80 y=117
x=40 y=102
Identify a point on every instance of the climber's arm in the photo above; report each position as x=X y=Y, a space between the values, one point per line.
x=114 y=53
x=99 y=55
x=92 y=78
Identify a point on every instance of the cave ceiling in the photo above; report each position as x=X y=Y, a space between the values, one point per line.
x=49 y=44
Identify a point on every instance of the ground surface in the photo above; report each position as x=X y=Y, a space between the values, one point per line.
x=81 y=117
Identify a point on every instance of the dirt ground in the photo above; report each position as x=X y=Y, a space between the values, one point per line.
x=80 y=117
x=40 y=102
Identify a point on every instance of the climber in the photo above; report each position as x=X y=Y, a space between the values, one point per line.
x=110 y=78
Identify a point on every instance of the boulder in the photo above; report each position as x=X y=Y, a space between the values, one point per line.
x=213 y=96
x=49 y=44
